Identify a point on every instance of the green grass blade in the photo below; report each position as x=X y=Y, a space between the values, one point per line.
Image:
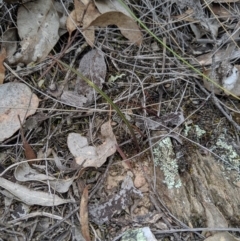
x=114 y=106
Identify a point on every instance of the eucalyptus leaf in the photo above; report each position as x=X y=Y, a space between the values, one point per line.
x=32 y=197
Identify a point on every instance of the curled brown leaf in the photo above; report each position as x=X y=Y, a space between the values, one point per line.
x=84 y=215
x=126 y=25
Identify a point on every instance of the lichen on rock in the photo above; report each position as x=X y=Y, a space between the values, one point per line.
x=228 y=153
x=165 y=158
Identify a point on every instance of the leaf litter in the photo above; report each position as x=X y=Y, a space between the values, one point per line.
x=29 y=152
x=92 y=66
x=83 y=15
x=95 y=13
x=84 y=215
x=38 y=25
x=25 y=173
x=9 y=41
x=3 y=55
x=16 y=100
x=126 y=25
x=32 y=197
x=90 y=156
x=91 y=14
x=110 y=6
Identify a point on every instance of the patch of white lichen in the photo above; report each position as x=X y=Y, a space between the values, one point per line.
x=197 y=130
x=228 y=152
x=164 y=157
x=222 y=147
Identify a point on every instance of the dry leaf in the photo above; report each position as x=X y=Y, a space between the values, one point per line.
x=75 y=18
x=89 y=35
x=91 y=14
x=83 y=14
x=24 y=173
x=112 y=14
x=16 y=99
x=38 y=25
x=93 y=67
x=79 y=10
x=84 y=215
x=61 y=11
x=89 y=32
x=3 y=55
x=90 y=156
x=126 y=25
x=9 y=41
x=85 y=2
x=73 y=99
x=32 y=197
x=72 y=23
x=110 y=6
x=29 y=152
